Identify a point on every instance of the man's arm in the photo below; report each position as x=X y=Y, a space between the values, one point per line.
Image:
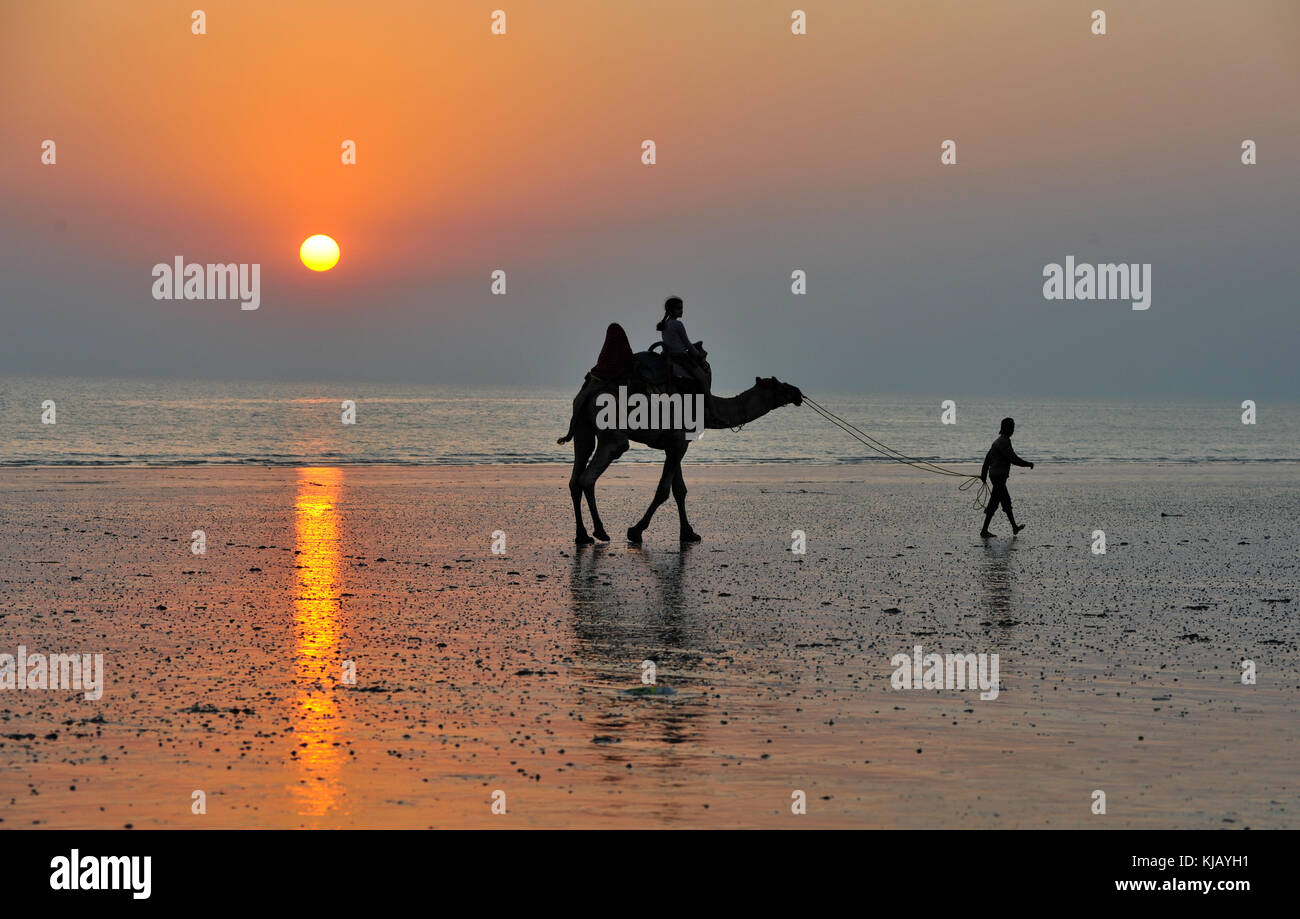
x=988 y=458
x=1016 y=460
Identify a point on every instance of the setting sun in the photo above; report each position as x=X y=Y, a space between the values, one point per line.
x=319 y=252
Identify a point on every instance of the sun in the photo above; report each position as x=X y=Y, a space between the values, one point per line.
x=319 y=252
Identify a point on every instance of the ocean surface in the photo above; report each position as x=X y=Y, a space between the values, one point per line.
x=112 y=422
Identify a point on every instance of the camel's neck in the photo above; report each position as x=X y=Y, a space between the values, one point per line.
x=732 y=412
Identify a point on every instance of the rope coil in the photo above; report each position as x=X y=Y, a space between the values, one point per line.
x=981 y=495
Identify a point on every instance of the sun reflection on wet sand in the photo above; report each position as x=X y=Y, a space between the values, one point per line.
x=316 y=610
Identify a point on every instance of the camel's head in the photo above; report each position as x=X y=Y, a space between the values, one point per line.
x=784 y=393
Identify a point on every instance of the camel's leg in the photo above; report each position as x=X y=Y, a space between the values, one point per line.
x=672 y=462
x=679 y=495
x=583 y=444
x=609 y=447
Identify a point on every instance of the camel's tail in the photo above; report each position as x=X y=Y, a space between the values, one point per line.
x=578 y=402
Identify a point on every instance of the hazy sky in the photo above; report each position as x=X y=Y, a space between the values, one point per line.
x=775 y=152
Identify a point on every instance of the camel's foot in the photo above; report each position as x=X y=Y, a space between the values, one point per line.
x=582 y=539
x=689 y=535
x=634 y=534
x=601 y=534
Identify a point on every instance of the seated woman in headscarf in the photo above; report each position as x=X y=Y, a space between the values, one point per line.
x=615 y=363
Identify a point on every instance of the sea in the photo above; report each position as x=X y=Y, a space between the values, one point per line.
x=152 y=422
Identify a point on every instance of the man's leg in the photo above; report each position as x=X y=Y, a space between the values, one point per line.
x=990 y=509
x=1006 y=506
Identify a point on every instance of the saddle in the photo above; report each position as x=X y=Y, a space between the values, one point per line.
x=654 y=370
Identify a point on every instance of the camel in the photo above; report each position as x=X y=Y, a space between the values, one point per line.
x=594 y=449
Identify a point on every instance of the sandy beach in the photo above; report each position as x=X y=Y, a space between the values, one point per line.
x=521 y=672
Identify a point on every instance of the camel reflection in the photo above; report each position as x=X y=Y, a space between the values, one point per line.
x=628 y=608
x=612 y=617
x=316 y=617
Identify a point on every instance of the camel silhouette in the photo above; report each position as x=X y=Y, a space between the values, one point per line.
x=595 y=448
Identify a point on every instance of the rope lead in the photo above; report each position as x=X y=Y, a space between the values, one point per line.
x=981 y=495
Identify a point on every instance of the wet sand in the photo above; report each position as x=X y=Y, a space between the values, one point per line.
x=520 y=673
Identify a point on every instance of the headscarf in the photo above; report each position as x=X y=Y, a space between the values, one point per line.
x=616 y=356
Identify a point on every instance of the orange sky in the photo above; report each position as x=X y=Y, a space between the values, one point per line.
x=463 y=135
x=477 y=150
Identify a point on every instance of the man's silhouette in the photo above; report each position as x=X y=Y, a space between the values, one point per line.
x=997 y=463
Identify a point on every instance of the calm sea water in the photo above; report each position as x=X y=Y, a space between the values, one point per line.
x=153 y=422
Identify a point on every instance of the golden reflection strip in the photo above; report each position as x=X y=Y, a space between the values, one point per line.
x=316 y=611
